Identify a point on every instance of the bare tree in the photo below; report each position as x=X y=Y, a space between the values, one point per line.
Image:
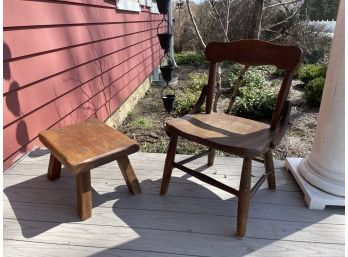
x=195 y=24
x=223 y=20
x=219 y=13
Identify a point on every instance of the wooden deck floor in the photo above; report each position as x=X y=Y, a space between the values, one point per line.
x=193 y=219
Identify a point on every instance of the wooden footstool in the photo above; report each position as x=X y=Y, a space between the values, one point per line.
x=84 y=146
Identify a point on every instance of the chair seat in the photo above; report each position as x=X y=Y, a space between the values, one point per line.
x=224 y=132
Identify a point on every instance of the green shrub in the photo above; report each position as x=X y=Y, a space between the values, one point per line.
x=189 y=58
x=254 y=78
x=308 y=72
x=255 y=102
x=254 y=75
x=276 y=82
x=313 y=91
x=187 y=99
x=256 y=98
x=196 y=81
x=278 y=73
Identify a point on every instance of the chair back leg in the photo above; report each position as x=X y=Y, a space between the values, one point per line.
x=244 y=198
x=129 y=175
x=54 y=168
x=269 y=168
x=167 y=171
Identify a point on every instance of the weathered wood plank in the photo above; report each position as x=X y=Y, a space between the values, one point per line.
x=169 y=203
x=41 y=155
x=35 y=249
x=181 y=222
x=186 y=243
x=193 y=219
x=193 y=191
x=109 y=184
x=154 y=173
x=223 y=167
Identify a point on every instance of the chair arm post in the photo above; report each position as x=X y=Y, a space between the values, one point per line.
x=200 y=101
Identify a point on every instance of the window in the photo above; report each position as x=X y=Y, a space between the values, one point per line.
x=147 y=3
x=153 y=7
x=128 y=5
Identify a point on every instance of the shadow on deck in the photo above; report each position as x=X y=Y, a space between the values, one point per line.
x=193 y=219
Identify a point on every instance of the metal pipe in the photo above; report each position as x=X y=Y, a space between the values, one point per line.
x=170 y=24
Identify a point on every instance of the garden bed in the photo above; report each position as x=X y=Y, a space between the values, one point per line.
x=146 y=122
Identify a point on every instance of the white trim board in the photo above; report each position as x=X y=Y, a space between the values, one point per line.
x=314 y=197
x=128 y=5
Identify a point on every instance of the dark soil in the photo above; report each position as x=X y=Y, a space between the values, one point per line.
x=146 y=122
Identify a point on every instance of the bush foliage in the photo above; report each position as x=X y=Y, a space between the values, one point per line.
x=189 y=58
x=308 y=72
x=257 y=97
x=255 y=102
x=188 y=97
x=254 y=75
x=313 y=75
x=313 y=91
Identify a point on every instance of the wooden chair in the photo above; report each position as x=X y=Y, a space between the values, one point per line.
x=246 y=138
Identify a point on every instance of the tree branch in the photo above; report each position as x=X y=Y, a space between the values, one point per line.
x=275 y=38
x=194 y=24
x=227 y=16
x=270 y=30
x=257 y=18
x=219 y=19
x=285 y=20
x=274 y=5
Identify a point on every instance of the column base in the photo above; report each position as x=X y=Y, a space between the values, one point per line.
x=315 y=198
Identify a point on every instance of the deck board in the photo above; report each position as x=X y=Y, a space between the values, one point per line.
x=193 y=219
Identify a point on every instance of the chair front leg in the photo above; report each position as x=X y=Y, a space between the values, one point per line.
x=244 y=198
x=84 y=195
x=211 y=157
x=269 y=168
x=167 y=172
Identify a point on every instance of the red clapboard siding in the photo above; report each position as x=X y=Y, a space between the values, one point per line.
x=71 y=57
x=19 y=13
x=60 y=37
x=83 y=77
x=86 y=107
x=67 y=61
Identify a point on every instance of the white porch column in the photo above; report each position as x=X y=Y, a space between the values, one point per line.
x=324 y=167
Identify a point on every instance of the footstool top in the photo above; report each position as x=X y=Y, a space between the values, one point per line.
x=87 y=145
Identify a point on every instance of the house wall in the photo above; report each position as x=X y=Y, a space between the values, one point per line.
x=68 y=61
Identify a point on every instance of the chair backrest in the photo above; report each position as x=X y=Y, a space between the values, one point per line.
x=252 y=52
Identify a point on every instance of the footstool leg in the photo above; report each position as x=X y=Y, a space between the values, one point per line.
x=129 y=175
x=54 y=168
x=84 y=195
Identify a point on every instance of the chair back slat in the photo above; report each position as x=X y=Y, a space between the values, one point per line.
x=252 y=52
x=255 y=52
